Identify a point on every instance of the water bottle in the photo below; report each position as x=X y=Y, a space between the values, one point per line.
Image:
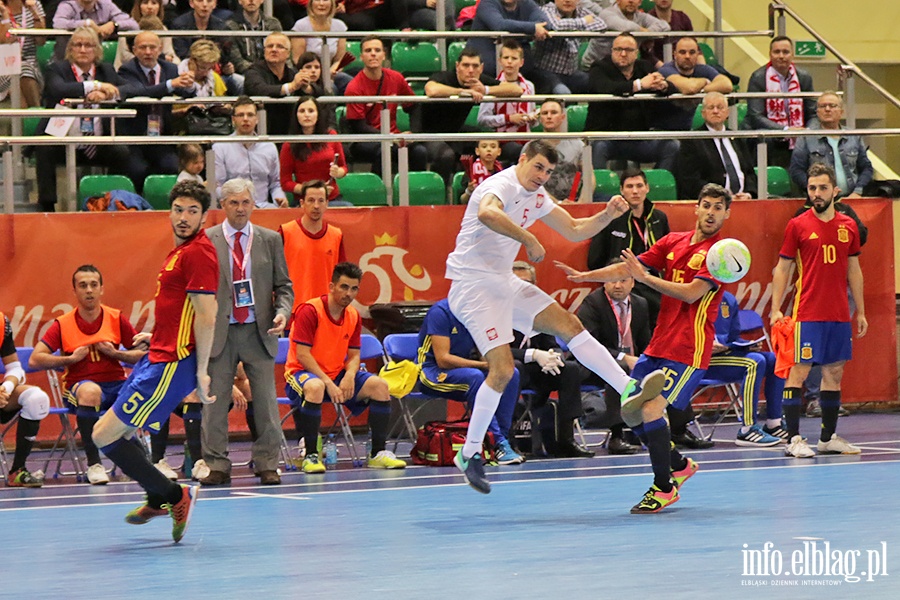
x=330 y=449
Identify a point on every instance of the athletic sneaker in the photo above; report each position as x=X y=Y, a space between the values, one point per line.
x=22 y=478
x=200 y=470
x=778 y=431
x=837 y=445
x=96 y=475
x=755 y=437
x=636 y=394
x=655 y=500
x=798 y=448
x=163 y=467
x=311 y=464
x=473 y=471
x=385 y=460
x=181 y=510
x=142 y=514
x=506 y=455
x=679 y=477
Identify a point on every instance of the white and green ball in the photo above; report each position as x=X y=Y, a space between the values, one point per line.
x=728 y=260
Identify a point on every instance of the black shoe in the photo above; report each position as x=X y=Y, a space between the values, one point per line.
x=269 y=478
x=568 y=449
x=617 y=445
x=216 y=478
x=689 y=440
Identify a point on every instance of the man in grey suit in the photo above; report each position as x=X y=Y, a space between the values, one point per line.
x=255 y=298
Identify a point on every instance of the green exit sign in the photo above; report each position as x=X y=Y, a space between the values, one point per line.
x=809 y=49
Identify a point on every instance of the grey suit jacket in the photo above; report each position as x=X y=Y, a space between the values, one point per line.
x=272 y=289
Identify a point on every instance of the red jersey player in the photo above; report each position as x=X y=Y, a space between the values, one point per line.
x=825 y=245
x=682 y=340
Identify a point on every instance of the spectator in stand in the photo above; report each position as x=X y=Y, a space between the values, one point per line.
x=80 y=75
x=23 y=14
x=243 y=51
x=854 y=169
x=571 y=179
x=466 y=80
x=505 y=117
x=201 y=18
x=624 y=17
x=274 y=77
x=622 y=74
x=780 y=75
x=200 y=65
x=482 y=167
x=689 y=78
x=256 y=161
x=556 y=57
x=370 y=15
x=103 y=16
x=304 y=161
x=376 y=80
x=522 y=17
x=149 y=15
x=677 y=20
x=725 y=161
x=309 y=68
x=321 y=18
x=423 y=14
x=192 y=160
x=149 y=75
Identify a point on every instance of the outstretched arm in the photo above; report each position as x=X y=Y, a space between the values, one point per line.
x=576 y=230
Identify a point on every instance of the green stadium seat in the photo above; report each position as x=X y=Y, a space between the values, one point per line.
x=109 y=51
x=97 y=185
x=30 y=124
x=456 y=187
x=411 y=58
x=708 y=54
x=461 y=4
x=472 y=119
x=45 y=54
x=741 y=112
x=157 y=188
x=662 y=185
x=454 y=49
x=607 y=181
x=779 y=181
x=339 y=113
x=577 y=117
x=402 y=120
x=425 y=189
x=363 y=189
x=647 y=5
x=353 y=48
x=582 y=48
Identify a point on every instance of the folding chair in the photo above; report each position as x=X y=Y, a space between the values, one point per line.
x=286 y=457
x=405 y=346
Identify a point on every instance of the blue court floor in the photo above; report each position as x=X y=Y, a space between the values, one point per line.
x=750 y=524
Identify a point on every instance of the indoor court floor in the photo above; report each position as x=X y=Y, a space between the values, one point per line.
x=750 y=524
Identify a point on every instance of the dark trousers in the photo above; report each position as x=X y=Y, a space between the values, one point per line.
x=116 y=158
x=567 y=384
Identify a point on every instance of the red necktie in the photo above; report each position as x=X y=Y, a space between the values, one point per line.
x=240 y=312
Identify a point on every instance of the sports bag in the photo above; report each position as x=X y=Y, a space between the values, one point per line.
x=439 y=441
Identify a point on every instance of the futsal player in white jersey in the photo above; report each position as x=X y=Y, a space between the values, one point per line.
x=491 y=301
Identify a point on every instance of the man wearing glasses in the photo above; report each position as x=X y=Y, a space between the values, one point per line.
x=274 y=77
x=622 y=74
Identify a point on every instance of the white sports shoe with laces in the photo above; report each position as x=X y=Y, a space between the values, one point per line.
x=837 y=445
x=798 y=448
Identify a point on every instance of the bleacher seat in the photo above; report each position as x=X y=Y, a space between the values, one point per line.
x=456 y=187
x=607 y=181
x=662 y=185
x=157 y=188
x=779 y=181
x=97 y=185
x=425 y=188
x=109 y=51
x=45 y=54
x=454 y=49
x=30 y=124
x=402 y=120
x=340 y=112
x=577 y=117
x=708 y=54
x=461 y=4
x=741 y=115
x=472 y=120
x=353 y=48
x=363 y=189
x=417 y=61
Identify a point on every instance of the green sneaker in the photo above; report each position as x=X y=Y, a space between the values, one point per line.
x=181 y=511
x=473 y=471
x=636 y=394
x=655 y=500
x=142 y=514
x=311 y=464
x=22 y=478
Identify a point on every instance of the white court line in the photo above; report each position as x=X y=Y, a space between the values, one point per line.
x=255 y=495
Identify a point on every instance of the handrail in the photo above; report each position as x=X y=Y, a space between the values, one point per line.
x=67 y=112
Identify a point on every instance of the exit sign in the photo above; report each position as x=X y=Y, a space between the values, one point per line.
x=809 y=49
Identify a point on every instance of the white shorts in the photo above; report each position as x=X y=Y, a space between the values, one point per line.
x=493 y=305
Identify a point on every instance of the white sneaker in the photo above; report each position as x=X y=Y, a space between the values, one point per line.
x=164 y=468
x=96 y=475
x=837 y=445
x=798 y=448
x=200 y=470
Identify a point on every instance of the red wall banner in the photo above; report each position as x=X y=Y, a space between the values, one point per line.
x=402 y=252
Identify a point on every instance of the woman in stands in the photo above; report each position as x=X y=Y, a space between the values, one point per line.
x=27 y=14
x=303 y=161
x=320 y=18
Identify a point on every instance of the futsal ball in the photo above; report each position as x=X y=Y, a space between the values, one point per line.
x=728 y=260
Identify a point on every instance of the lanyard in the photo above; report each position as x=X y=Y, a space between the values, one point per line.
x=623 y=333
x=78 y=76
x=642 y=234
x=234 y=254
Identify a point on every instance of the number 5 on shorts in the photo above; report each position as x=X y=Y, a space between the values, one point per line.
x=132 y=403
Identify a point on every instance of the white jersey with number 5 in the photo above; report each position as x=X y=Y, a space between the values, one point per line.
x=479 y=250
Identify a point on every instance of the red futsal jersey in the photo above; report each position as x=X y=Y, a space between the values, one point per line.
x=684 y=332
x=96 y=366
x=391 y=83
x=191 y=267
x=822 y=250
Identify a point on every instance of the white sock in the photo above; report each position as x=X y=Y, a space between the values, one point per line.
x=745 y=428
x=486 y=402
x=773 y=423
x=596 y=357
